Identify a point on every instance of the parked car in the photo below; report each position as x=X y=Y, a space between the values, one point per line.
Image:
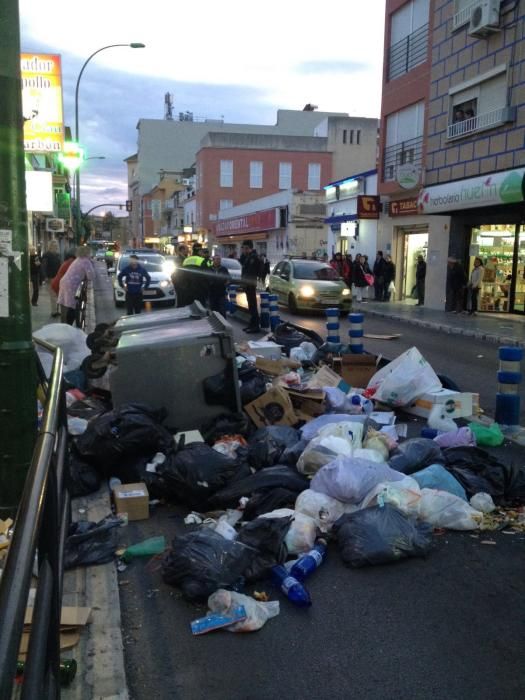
x=234 y=268
x=308 y=284
x=160 y=291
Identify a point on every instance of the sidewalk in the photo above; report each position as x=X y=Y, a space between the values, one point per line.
x=41 y=314
x=504 y=329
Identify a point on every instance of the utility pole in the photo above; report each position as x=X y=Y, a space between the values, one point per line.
x=17 y=359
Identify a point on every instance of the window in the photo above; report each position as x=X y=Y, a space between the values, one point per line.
x=408 y=38
x=226 y=177
x=344 y=135
x=351 y=136
x=285 y=176
x=404 y=139
x=225 y=204
x=256 y=174
x=314 y=176
x=358 y=136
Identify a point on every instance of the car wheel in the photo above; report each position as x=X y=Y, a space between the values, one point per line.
x=292 y=304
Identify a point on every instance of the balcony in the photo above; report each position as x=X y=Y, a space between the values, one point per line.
x=408 y=53
x=410 y=151
x=481 y=122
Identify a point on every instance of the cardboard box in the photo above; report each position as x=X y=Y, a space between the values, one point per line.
x=457 y=404
x=265 y=348
x=272 y=408
x=132 y=499
x=308 y=403
x=358 y=370
x=274 y=368
x=327 y=377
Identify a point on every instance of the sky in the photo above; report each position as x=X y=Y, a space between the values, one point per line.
x=234 y=59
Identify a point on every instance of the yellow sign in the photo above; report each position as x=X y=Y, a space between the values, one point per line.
x=42 y=103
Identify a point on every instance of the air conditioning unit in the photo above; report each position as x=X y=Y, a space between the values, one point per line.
x=484 y=18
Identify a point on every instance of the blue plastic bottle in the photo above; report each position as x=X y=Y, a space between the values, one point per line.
x=366 y=404
x=291 y=587
x=309 y=562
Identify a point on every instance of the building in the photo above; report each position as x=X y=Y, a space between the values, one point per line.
x=353 y=141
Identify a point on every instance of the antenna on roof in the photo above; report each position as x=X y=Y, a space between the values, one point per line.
x=168 y=106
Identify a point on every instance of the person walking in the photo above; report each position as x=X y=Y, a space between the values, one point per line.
x=339 y=264
x=55 y=282
x=194 y=276
x=35 y=264
x=250 y=269
x=80 y=269
x=207 y=262
x=358 y=279
x=421 y=273
x=177 y=276
x=389 y=276
x=456 y=282
x=379 y=276
x=219 y=279
x=50 y=267
x=476 y=278
x=134 y=278
x=264 y=270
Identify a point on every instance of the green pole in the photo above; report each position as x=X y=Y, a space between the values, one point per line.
x=17 y=362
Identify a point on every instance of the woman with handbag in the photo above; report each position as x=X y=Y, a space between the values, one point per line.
x=359 y=282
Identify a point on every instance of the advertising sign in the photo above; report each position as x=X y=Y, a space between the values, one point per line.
x=368 y=207
x=403 y=207
x=258 y=221
x=42 y=103
x=407 y=176
x=498 y=188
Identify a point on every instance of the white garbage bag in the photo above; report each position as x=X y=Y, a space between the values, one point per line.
x=257 y=613
x=369 y=453
x=443 y=509
x=405 y=495
x=333 y=440
x=302 y=533
x=72 y=342
x=322 y=508
x=483 y=502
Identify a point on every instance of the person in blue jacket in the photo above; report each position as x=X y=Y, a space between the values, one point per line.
x=134 y=278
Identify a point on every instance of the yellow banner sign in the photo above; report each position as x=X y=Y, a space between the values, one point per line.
x=42 y=103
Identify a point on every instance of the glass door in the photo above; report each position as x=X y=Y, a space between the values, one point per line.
x=518 y=287
x=495 y=244
x=415 y=244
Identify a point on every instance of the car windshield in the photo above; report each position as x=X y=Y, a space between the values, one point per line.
x=231 y=264
x=152 y=263
x=314 y=271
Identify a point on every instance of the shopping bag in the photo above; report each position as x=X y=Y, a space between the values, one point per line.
x=392 y=287
x=369 y=279
x=404 y=379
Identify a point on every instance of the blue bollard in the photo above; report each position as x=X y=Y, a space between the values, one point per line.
x=265 y=310
x=232 y=299
x=355 y=332
x=509 y=380
x=274 y=311
x=332 y=326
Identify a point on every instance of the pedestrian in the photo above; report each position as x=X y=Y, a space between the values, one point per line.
x=177 y=276
x=233 y=255
x=324 y=258
x=194 y=277
x=379 y=276
x=476 y=278
x=80 y=269
x=366 y=266
x=390 y=278
x=134 y=278
x=456 y=282
x=219 y=279
x=55 y=282
x=339 y=264
x=50 y=267
x=359 y=282
x=421 y=273
x=250 y=268
x=264 y=270
x=34 y=274
x=206 y=257
x=182 y=254
x=349 y=263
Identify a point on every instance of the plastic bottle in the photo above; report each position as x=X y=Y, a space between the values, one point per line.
x=291 y=587
x=366 y=405
x=114 y=482
x=310 y=561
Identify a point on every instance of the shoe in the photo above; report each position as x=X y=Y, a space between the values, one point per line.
x=252 y=330
x=33 y=303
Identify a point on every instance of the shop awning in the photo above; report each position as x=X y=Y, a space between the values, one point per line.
x=246 y=236
x=341 y=219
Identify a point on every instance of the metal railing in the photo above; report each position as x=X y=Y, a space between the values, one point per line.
x=410 y=151
x=81 y=304
x=408 y=53
x=40 y=529
x=481 y=121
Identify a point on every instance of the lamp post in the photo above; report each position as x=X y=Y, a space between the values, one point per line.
x=133 y=45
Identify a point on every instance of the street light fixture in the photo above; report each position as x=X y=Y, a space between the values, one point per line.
x=133 y=45
x=95 y=158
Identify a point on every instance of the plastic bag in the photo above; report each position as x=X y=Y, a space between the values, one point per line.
x=461 y=437
x=272 y=477
x=219 y=389
x=322 y=508
x=443 y=509
x=253 y=385
x=478 y=471
x=312 y=428
x=487 y=435
x=415 y=454
x=146 y=548
x=267 y=445
x=437 y=477
x=379 y=442
x=315 y=456
x=380 y=535
x=404 y=379
x=332 y=441
x=225 y=424
x=71 y=340
x=81 y=477
x=224 y=602
x=76 y=426
x=90 y=543
x=482 y=502
x=229 y=445
x=370 y=454
x=349 y=479
x=267 y=500
x=301 y=533
x=267 y=538
x=202 y=561
x=292 y=454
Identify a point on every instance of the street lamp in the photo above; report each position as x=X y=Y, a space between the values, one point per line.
x=133 y=45
x=95 y=158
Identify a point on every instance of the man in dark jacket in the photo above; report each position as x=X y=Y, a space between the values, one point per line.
x=379 y=276
x=134 y=278
x=219 y=279
x=390 y=277
x=421 y=273
x=250 y=270
x=456 y=284
x=195 y=279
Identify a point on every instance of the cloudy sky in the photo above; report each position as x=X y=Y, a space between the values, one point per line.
x=236 y=59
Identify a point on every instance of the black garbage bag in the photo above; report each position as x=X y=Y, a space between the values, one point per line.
x=219 y=389
x=91 y=543
x=225 y=424
x=132 y=430
x=291 y=454
x=202 y=561
x=81 y=477
x=266 y=536
x=87 y=408
x=380 y=535
x=269 y=478
x=328 y=349
x=415 y=454
x=252 y=386
x=267 y=445
x=267 y=500
x=291 y=336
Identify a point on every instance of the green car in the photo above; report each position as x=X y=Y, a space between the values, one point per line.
x=307 y=284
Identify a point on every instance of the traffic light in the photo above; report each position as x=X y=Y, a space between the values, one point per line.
x=129 y=205
x=72 y=156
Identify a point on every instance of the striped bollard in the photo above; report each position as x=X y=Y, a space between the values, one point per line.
x=509 y=380
x=274 y=311
x=356 y=332
x=332 y=326
x=232 y=299
x=265 y=310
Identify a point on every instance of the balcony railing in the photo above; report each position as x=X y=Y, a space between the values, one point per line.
x=408 y=53
x=480 y=122
x=463 y=16
x=410 y=151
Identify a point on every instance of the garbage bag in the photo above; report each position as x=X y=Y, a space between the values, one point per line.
x=81 y=477
x=71 y=340
x=483 y=502
x=268 y=499
x=381 y=535
x=443 y=509
x=403 y=495
x=404 y=379
x=436 y=476
x=225 y=602
x=225 y=424
x=478 y=471
x=289 y=336
x=266 y=536
x=90 y=543
x=292 y=454
x=415 y=454
x=316 y=455
x=271 y=477
x=202 y=561
x=219 y=389
x=487 y=435
x=267 y=445
x=313 y=427
x=87 y=408
x=349 y=479
x=456 y=438
x=322 y=508
x=301 y=533
x=253 y=384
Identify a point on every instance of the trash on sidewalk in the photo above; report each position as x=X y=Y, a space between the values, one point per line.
x=146 y=548
x=257 y=613
x=131 y=500
x=91 y=543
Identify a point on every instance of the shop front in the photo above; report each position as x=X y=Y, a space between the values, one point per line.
x=257 y=227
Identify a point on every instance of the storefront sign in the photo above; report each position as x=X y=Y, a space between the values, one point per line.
x=42 y=103
x=498 y=188
x=403 y=207
x=368 y=207
x=239 y=225
x=408 y=176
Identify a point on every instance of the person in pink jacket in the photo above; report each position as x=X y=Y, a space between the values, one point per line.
x=80 y=269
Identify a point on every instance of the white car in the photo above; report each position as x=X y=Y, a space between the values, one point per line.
x=234 y=268
x=160 y=290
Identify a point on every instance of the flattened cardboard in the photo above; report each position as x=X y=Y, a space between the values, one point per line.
x=68 y=640
x=272 y=408
x=69 y=616
x=309 y=402
x=358 y=370
x=327 y=377
x=274 y=368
